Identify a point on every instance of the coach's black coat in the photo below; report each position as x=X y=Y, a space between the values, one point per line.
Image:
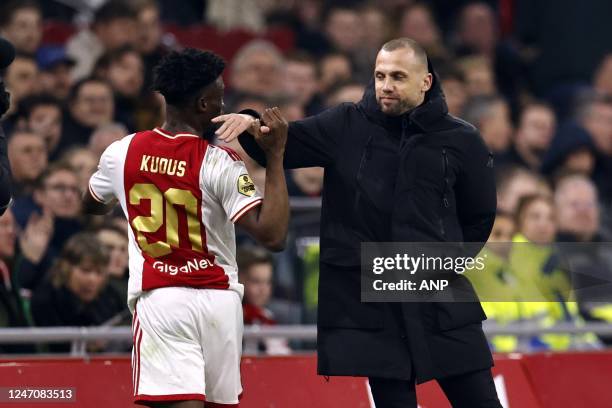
x=424 y=176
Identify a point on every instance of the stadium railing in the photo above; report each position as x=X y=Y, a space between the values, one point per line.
x=79 y=336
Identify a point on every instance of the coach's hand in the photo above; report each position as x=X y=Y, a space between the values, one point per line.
x=273 y=136
x=234 y=124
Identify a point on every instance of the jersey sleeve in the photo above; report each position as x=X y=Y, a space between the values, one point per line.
x=229 y=181
x=100 y=183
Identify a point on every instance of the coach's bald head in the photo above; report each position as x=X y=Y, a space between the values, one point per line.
x=401 y=76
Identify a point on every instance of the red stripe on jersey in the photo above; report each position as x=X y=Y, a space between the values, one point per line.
x=95 y=196
x=232 y=153
x=138 y=341
x=245 y=209
x=135 y=328
x=164 y=206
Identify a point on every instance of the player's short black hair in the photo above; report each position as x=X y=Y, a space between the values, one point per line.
x=181 y=75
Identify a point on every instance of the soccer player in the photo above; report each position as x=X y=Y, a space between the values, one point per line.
x=181 y=196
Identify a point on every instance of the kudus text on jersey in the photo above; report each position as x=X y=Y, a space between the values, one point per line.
x=163 y=165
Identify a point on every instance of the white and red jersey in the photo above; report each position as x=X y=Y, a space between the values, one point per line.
x=181 y=196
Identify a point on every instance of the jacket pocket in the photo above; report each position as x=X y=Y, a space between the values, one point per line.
x=340 y=303
x=453 y=315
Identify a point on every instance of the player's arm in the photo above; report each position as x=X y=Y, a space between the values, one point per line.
x=268 y=223
x=311 y=142
x=99 y=199
x=91 y=205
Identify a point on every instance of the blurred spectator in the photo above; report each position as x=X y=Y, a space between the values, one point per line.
x=578 y=209
x=291 y=110
x=21 y=79
x=344 y=92
x=334 y=68
x=21 y=24
x=417 y=22
x=478 y=33
x=42 y=114
x=249 y=101
x=454 y=88
x=551 y=29
x=76 y=292
x=124 y=72
x=594 y=114
x=255 y=272
x=343 y=29
x=377 y=29
x=536 y=219
x=236 y=14
x=571 y=151
x=114 y=26
x=28 y=157
x=49 y=217
x=12 y=311
x=602 y=79
x=532 y=138
x=590 y=259
x=300 y=82
x=256 y=68
x=524 y=283
x=513 y=183
x=490 y=114
x=104 y=135
x=191 y=12
x=305 y=182
x=478 y=76
x=534 y=261
x=115 y=241
x=90 y=105
x=376 y=26
x=150 y=32
x=54 y=75
x=83 y=162
x=477 y=30
x=504 y=228
x=308 y=27
x=495 y=281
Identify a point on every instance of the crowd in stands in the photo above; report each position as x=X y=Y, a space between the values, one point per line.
x=542 y=105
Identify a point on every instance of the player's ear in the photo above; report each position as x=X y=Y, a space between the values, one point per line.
x=201 y=104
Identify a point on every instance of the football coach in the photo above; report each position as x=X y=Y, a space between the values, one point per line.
x=398 y=168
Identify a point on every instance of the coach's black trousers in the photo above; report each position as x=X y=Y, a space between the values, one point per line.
x=469 y=390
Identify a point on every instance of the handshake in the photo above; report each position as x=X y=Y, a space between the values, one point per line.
x=270 y=132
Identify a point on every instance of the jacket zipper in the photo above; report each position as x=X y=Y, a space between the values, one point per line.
x=442 y=230
x=444 y=189
x=446 y=183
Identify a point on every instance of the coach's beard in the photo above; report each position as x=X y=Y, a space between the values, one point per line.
x=396 y=109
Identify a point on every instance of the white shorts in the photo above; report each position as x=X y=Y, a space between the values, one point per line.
x=187 y=346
